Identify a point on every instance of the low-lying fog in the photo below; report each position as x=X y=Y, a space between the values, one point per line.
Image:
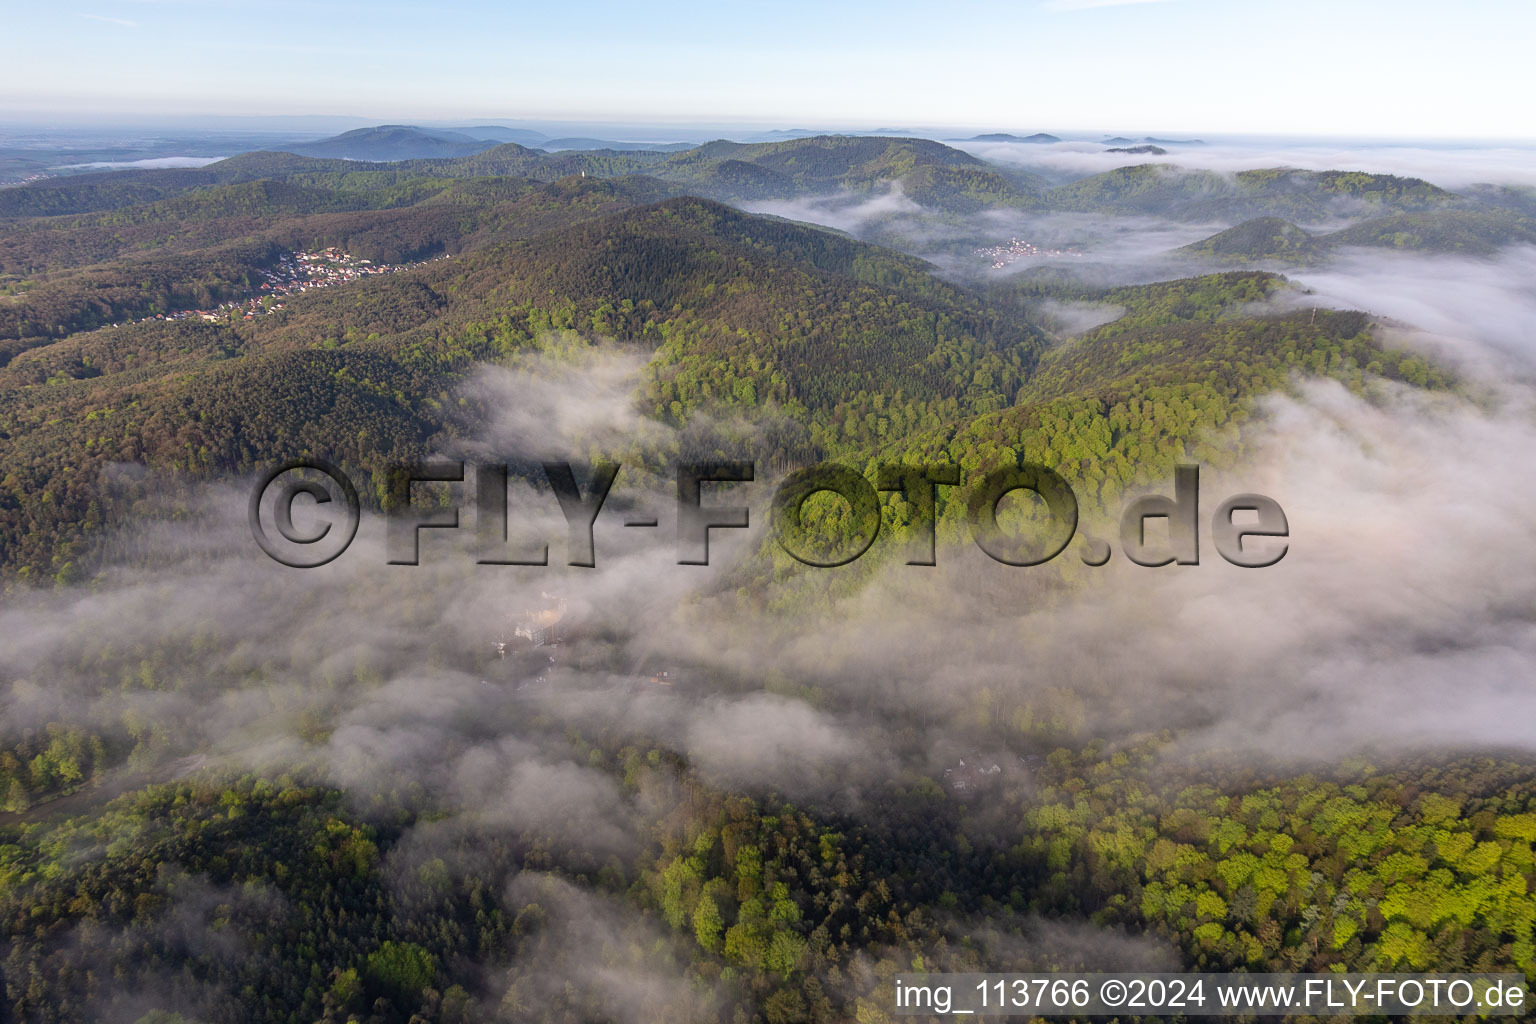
x=1449 y=165
x=1409 y=567
x=1108 y=249
x=1402 y=619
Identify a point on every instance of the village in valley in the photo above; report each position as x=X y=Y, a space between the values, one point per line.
x=29 y=179
x=304 y=271
x=293 y=274
x=1016 y=250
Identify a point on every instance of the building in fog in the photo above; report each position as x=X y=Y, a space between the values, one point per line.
x=544 y=627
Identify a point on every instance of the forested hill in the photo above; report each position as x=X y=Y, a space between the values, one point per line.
x=395 y=142
x=1476 y=232
x=882 y=324
x=931 y=173
x=861 y=346
x=1277 y=192
x=81 y=271
x=750 y=310
x=1168 y=379
x=940 y=175
x=858 y=345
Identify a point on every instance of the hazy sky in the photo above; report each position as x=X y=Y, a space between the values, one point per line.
x=1360 y=67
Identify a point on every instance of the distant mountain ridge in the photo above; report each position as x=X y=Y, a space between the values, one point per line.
x=497 y=133
x=933 y=175
x=390 y=142
x=556 y=145
x=1039 y=137
x=1120 y=140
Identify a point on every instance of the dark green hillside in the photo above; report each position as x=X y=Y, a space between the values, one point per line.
x=1448 y=231
x=399 y=223
x=111 y=190
x=1387 y=191
x=745 y=311
x=1263 y=238
x=1124 y=402
x=1279 y=192
x=727 y=297
x=932 y=174
x=537 y=164
x=861 y=345
x=472 y=214
x=740 y=179
x=882 y=324
x=192 y=220
x=1520 y=199
x=77 y=273
x=935 y=175
x=943 y=177
x=1144 y=188
x=264 y=197
x=1472 y=232
x=82 y=300
x=107 y=190
x=1204 y=331
x=966 y=190
x=848 y=160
